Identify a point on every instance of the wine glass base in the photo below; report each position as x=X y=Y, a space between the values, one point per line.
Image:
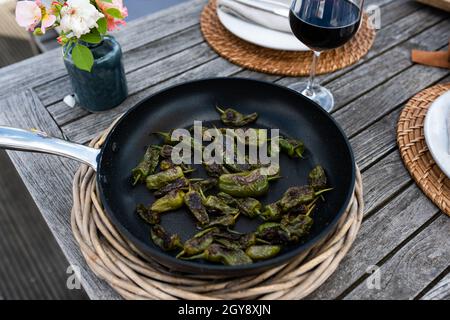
x=320 y=95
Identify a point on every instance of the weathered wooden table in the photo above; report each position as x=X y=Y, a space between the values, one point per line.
x=403 y=233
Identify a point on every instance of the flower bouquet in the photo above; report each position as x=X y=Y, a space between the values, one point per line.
x=92 y=58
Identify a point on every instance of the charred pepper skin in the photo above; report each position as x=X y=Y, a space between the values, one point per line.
x=158 y=180
x=147 y=166
x=179 y=184
x=317 y=178
x=219 y=254
x=217 y=204
x=193 y=200
x=272 y=233
x=292 y=147
x=243 y=185
x=147 y=215
x=171 y=201
x=262 y=252
x=163 y=240
x=296 y=196
x=272 y=212
x=233 y=118
x=296 y=227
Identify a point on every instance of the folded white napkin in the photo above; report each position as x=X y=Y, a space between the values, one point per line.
x=448 y=132
x=259 y=12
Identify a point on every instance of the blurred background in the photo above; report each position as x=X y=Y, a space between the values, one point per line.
x=26 y=243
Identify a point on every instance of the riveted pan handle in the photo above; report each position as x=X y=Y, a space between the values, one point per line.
x=36 y=141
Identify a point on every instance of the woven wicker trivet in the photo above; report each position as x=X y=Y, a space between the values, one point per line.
x=278 y=62
x=135 y=276
x=414 y=151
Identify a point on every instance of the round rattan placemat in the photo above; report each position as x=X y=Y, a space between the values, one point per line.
x=136 y=276
x=414 y=151
x=279 y=62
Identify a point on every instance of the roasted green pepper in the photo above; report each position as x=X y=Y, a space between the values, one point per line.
x=294 y=148
x=163 y=240
x=148 y=215
x=262 y=252
x=215 y=170
x=317 y=178
x=296 y=227
x=198 y=243
x=178 y=184
x=272 y=233
x=231 y=117
x=235 y=241
x=160 y=179
x=227 y=220
x=147 y=166
x=204 y=184
x=218 y=205
x=226 y=256
x=272 y=212
x=245 y=184
x=296 y=196
x=193 y=200
x=249 y=207
x=171 y=201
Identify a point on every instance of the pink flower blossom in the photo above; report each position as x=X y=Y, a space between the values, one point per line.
x=28 y=14
x=113 y=22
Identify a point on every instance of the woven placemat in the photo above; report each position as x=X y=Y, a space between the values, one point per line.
x=414 y=151
x=279 y=62
x=136 y=276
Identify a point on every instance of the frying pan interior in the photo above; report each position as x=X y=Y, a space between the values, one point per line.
x=178 y=107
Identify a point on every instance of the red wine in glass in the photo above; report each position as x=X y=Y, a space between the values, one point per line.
x=324 y=25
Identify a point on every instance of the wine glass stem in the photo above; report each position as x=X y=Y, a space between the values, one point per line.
x=309 y=91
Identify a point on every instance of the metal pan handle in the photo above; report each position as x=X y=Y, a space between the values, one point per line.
x=36 y=141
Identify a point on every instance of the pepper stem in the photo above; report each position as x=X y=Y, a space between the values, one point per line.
x=136 y=179
x=322 y=191
x=262 y=241
x=220 y=110
x=178 y=256
x=310 y=210
x=274 y=177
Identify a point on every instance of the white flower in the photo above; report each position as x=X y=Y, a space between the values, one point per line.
x=79 y=17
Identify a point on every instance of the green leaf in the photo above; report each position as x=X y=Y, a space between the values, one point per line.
x=102 y=25
x=82 y=57
x=114 y=12
x=92 y=37
x=109 y=1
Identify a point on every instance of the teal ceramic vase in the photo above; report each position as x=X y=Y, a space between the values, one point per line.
x=105 y=87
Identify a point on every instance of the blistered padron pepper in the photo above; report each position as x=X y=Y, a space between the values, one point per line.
x=245 y=184
x=262 y=252
x=233 y=118
x=178 y=184
x=272 y=233
x=171 y=201
x=198 y=243
x=148 y=215
x=235 y=241
x=317 y=178
x=163 y=240
x=227 y=220
x=215 y=169
x=297 y=196
x=158 y=180
x=226 y=256
x=147 y=166
x=249 y=207
x=272 y=212
x=216 y=204
x=193 y=200
x=292 y=147
x=204 y=184
x=296 y=226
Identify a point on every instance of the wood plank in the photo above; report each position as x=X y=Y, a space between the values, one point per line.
x=413 y=267
x=379 y=235
x=49 y=179
x=84 y=129
x=384 y=180
x=371 y=107
x=49 y=66
x=133 y=60
x=441 y=291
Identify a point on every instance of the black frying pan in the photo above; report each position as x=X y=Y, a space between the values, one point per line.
x=178 y=107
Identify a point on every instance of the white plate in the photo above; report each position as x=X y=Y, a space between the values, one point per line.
x=260 y=36
x=436 y=134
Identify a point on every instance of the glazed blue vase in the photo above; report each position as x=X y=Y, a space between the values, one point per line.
x=105 y=87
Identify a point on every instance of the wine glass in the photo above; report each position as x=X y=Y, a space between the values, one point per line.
x=323 y=25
